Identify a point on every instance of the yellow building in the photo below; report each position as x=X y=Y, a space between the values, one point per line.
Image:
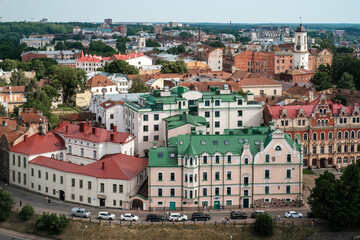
x=320 y=57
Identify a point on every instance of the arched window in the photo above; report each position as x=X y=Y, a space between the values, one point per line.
x=339 y=135
x=318 y=122
x=185 y=161
x=52 y=156
x=111 y=126
x=322 y=136
x=346 y=135
x=324 y=112
x=314 y=136
x=352 y=134
x=330 y=135
x=321 y=112
x=61 y=156
x=358 y=134
x=191 y=161
x=305 y=136
x=278 y=148
x=326 y=122
x=322 y=122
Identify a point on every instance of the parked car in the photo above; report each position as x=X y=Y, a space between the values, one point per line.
x=129 y=217
x=238 y=215
x=80 y=212
x=310 y=215
x=293 y=214
x=177 y=217
x=257 y=212
x=106 y=216
x=154 y=218
x=199 y=216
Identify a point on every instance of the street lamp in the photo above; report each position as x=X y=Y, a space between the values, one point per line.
x=82 y=235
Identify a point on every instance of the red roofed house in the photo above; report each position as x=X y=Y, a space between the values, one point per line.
x=329 y=131
x=100 y=84
x=12 y=96
x=136 y=59
x=90 y=63
x=81 y=164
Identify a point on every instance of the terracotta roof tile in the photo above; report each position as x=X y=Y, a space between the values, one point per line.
x=261 y=81
x=99 y=81
x=14 y=89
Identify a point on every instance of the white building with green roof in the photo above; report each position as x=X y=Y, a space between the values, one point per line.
x=242 y=168
x=160 y=114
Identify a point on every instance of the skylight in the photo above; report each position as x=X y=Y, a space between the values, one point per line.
x=215 y=142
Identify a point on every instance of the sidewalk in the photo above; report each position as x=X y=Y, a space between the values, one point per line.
x=21 y=235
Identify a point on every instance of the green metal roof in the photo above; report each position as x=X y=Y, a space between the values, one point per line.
x=182 y=119
x=161 y=157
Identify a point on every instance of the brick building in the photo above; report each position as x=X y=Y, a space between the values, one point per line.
x=158 y=30
x=329 y=131
x=283 y=62
x=297 y=75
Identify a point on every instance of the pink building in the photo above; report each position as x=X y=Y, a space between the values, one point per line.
x=252 y=167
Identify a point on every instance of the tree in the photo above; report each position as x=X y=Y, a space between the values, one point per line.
x=3 y=112
x=216 y=44
x=176 y=50
x=322 y=81
x=100 y=48
x=9 y=65
x=67 y=79
x=6 y=204
x=174 y=67
x=138 y=86
x=121 y=44
x=121 y=66
x=51 y=92
x=18 y=78
x=52 y=223
x=27 y=212
x=185 y=35
x=38 y=67
x=3 y=82
x=152 y=43
x=264 y=225
x=346 y=82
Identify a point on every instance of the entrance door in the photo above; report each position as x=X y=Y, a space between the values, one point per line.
x=102 y=202
x=245 y=203
x=62 y=195
x=322 y=163
x=172 y=206
x=216 y=204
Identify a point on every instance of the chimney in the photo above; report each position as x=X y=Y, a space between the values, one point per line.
x=67 y=128
x=102 y=165
x=115 y=129
x=111 y=137
x=83 y=127
x=93 y=130
x=25 y=138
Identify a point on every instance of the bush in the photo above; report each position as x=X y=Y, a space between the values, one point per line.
x=6 y=204
x=264 y=225
x=52 y=223
x=27 y=212
x=308 y=171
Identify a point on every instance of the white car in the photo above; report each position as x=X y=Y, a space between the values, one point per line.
x=106 y=216
x=177 y=217
x=129 y=217
x=293 y=214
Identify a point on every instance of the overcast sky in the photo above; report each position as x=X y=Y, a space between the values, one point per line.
x=237 y=11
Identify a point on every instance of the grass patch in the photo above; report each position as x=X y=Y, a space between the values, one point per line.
x=308 y=171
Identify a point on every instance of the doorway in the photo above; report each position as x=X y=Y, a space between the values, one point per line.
x=245 y=203
x=137 y=204
x=323 y=163
x=172 y=206
x=216 y=204
x=102 y=202
x=62 y=195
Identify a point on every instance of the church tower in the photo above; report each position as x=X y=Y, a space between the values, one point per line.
x=301 y=53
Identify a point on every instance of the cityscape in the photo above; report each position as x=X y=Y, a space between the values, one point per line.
x=128 y=129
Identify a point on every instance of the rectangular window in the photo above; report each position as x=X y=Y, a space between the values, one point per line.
x=217 y=114
x=204 y=159
x=172 y=192
x=145 y=138
x=156 y=128
x=160 y=176
x=94 y=154
x=81 y=151
x=190 y=178
x=207 y=103
x=39 y=174
x=240 y=113
x=186 y=177
x=207 y=114
x=102 y=187
x=156 y=117
x=267 y=190
x=185 y=195
x=46 y=176
x=205 y=176
x=217 y=191
x=24 y=161
x=39 y=187
x=81 y=198
x=246 y=181
x=217 y=159
x=145 y=128
x=217 y=102
x=239 y=123
x=217 y=175
x=172 y=176
x=267 y=158
x=73 y=182
x=159 y=192
x=89 y=200
x=205 y=192
x=229 y=158
x=54 y=178
x=156 y=137
x=69 y=150
x=288 y=158
x=19 y=177
x=246 y=192
x=24 y=178
x=145 y=117
x=314 y=150
x=267 y=173
x=246 y=160
x=120 y=203
x=114 y=188
x=330 y=149
x=217 y=124
x=288 y=173
x=81 y=183
x=228 y=175
x=114 y=202
x=72 y=196
x=121 y=189
x=239 y=101
x=288 y=189
x=89 y=185
x=228 y=191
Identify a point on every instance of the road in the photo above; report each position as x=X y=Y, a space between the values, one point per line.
x=11 y=235
x=60 y=207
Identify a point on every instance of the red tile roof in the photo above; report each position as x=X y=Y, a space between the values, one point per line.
x=261 y=81
x=38 y=144
x=14 y=89
x=11 y=129
x=111 y=103
x=89 y=58
x=100 y=135
x=117 y=166
x=301 y=71
x=32 y=118
x=126 y=57
x=99 y=81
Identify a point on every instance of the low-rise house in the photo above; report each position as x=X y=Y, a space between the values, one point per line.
x=261 y=86
x=100 y=84
x=12 y=96
x=35 y=42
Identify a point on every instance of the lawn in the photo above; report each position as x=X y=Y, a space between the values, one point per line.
x=308 y=171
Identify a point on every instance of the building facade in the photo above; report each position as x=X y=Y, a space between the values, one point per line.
x=222 y=109
x=329 y=131
x=301 y=51
x=252 y=167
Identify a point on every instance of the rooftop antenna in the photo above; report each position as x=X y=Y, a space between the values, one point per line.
x=300 y=21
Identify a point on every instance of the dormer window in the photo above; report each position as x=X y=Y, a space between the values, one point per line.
x=278 y=148
x=203 y=142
